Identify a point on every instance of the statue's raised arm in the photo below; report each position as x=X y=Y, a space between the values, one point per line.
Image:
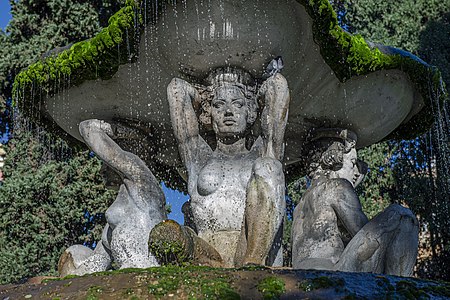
x=181 y=96
x=275 y=94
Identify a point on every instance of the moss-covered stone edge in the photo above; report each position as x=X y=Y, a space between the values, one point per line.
x=99 y=57
x=350 y=55
x=201 y=281
x=271 y=285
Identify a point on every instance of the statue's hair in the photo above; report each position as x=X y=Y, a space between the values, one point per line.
x=325 y=149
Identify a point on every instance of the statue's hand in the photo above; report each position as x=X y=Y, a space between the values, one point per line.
x=94 y=124
x=106 y=127
x=272 y=88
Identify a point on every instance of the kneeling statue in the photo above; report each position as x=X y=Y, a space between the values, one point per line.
x=330 y=230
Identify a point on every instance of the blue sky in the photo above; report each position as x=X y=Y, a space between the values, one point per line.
x=5 y=14
x=174 y=198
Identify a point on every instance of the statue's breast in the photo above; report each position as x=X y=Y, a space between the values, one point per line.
x=225 y=173
x=210 y=178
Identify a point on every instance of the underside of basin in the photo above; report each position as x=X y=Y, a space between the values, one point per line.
x=188 y=39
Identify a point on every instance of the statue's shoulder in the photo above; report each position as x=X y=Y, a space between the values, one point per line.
x=334 y=184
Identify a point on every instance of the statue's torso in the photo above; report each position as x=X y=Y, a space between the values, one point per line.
x=316 y=231
x=218 y=192
x=218 y=199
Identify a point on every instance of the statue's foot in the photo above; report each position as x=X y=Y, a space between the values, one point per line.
x=80 y=260
x=204 y=254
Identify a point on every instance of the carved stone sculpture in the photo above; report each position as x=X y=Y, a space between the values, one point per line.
x=330 y=230
x=139 y=206
x=237 y=190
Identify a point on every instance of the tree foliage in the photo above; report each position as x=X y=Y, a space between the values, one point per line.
x=394 y=23
x=376 y=191
x=52 y=197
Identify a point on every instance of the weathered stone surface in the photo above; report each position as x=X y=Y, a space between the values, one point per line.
x=207 y=283
x=330 y=230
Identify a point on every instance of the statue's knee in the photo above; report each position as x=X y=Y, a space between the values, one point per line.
x=267 y=167
x=402 y=216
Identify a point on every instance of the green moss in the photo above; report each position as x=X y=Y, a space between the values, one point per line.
x=59 y=278
x=253 y=268
x=93 y=292
x=128 y=292
x=322 y=282
x=170 y=243
x=271 y=288
x=197 y=282
x=98 y=57
x=164 y=286
x=90 y=59
x=384 y=283
x=169 y=252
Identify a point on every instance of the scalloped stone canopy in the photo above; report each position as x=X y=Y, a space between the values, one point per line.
x=194 y=37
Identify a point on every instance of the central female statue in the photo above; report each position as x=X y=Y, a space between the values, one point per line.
x=237 y=191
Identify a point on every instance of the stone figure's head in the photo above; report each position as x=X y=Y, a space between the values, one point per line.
x=233 y=102
x=332 y=152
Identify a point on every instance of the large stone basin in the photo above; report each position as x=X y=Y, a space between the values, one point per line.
x=191 y=38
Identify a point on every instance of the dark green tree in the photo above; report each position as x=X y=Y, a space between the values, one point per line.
x=52 y=196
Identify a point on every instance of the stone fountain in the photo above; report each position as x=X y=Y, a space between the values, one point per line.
x=173 y=88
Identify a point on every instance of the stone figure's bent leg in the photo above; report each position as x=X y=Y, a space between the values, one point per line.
x=172 y=243
x=129 y=246
x=387 y=244
x=402 y=253
x=264 y=213
x=81 y=260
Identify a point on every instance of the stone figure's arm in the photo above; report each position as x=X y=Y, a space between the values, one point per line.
x=180 y=95
x=275 y=93
x=346 y=205
x=98 y=136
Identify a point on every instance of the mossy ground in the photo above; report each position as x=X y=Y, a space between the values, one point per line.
x=192 y=282
x=271 y=288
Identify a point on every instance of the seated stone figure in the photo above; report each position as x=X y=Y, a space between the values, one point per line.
x=139 y=206
x=330 y=230
x=237 y=190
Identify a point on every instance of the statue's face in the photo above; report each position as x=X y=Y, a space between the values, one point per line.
x=229 y=112
x=350 y=170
